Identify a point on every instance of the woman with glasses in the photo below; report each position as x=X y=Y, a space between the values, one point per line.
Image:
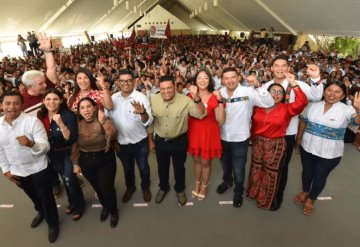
x=269 y=146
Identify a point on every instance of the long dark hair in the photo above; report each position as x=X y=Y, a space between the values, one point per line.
x=84 y=99
x=43 y=112
x=211 y=86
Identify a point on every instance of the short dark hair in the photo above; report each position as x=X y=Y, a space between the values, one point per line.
x=167 y=78
x=280 y=57
x=126 y=72
x=12 y=93
x=228 y=69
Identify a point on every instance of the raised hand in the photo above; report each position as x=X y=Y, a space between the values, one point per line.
x=138 y=108
x=356 y=103
x=291 y=79
x=101 y=116
x=100 y=79
x=217 y=94
x=193 y=90
x=57 y=119
x=253 y=81
x=45 y=42
x=313 y=71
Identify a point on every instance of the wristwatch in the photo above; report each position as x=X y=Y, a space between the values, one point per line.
x=220 y=101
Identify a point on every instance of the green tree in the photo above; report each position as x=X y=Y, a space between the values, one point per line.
x=346 y=46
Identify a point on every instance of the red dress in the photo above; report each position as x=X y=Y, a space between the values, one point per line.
x=204 y=134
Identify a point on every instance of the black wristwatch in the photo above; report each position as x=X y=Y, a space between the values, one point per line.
x=220 y=101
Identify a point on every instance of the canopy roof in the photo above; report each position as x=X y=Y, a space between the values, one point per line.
x=66 y=17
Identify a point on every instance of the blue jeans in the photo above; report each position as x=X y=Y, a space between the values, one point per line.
x=61 y=161
x=233 y=163
x=138 y=152
x=315 y=172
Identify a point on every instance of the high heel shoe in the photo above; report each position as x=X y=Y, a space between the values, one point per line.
x=195 y=192
x=201 y=196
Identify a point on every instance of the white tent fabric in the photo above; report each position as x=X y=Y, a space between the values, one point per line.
x=65 y=17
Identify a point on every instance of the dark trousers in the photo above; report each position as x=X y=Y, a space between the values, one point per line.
x=54 y=176
x=99 y=168
x=315 y=172
x=38 y=188
x=138 y=152
x=60 y=160
x=233 y=161
x=175 y=149
x=290 y=142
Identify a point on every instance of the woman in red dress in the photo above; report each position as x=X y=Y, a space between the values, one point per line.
x=269 y=148
x=204 y=134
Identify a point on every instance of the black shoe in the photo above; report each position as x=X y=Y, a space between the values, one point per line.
x=37 y=220
x=238 y=200
x=147 y=195
x=128 y=194
x=104 y=214
x=276 y=204
x=114 y=219
x=223 y=187
x=53 y=233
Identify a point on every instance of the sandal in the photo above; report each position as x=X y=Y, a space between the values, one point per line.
x=76 y=216
x=301 y=198
x=69 y=210
x=308 y=207
x=203 y=189
x=195 y=192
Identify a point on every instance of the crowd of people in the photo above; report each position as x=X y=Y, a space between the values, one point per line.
x=207 y=96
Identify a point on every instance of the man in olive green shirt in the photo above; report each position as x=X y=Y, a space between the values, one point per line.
x=171 y=111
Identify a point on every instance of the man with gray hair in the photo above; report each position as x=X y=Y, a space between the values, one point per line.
x=35 y=81
x=36 y=84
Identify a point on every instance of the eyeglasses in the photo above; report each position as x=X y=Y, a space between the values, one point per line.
x=126 y=81
x=279 y=92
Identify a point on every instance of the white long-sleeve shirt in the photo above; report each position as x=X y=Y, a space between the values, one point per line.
x=129 y=125
x=327 y=144
x=20 y=160
x=313 y=93
x=239 y=108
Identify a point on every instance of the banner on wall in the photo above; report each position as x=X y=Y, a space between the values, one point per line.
x=160 y=31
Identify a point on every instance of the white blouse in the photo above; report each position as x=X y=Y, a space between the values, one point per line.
x=328 y=144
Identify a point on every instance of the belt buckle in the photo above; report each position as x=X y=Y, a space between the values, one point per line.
x=167 y=139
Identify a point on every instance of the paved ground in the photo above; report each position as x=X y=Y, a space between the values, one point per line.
x=334 y=222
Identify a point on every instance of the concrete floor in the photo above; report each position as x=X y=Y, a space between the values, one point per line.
x=333 y=223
